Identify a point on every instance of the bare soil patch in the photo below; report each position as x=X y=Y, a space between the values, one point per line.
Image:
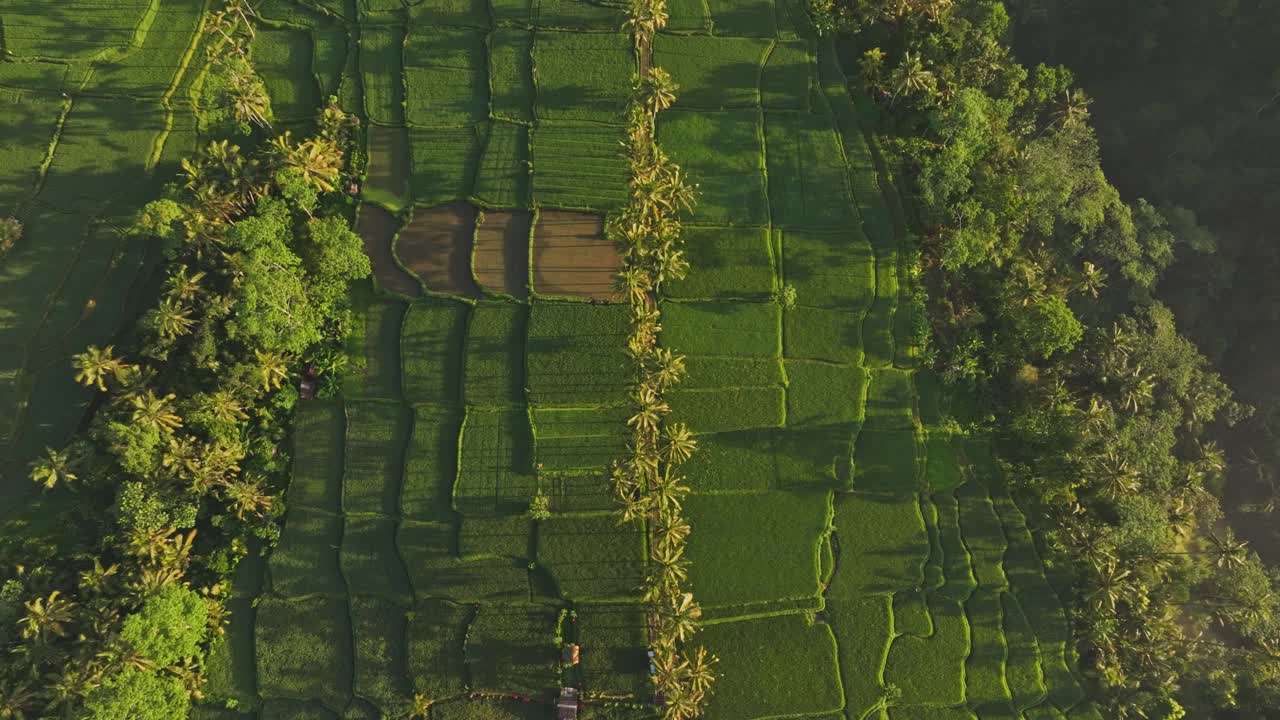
x=501 y=255
x=436 y=246
x=572 y=257
x=377 y=228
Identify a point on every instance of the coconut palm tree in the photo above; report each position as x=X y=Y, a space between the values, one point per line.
x=680 y=617
x=247 y=497
x=420 y=707
x=171 y=318
x=1092 y=279
x=701 y=670
x=95 y=364
x=183 y=286
x=678 y=444
x=273 y=369
x=47 y=617
x=1113 y=476
x=1227 y=551
x=658 y=90
x=52 y=470
x=1074 y=111
x=650 y=409
x=156 y=412
x=634 y=283
x=1111 y=584
x=16 y=700
x=669 y=529
x=911 y=77
x=316 y=159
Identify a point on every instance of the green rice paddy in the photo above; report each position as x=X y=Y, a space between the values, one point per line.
x=842 y=542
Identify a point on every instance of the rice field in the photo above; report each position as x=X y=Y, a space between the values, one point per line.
x=843 y=542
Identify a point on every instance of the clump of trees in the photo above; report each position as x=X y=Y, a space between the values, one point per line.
x=180 y=469
x=1041 y=279
x=647 y=481
x=10 y=233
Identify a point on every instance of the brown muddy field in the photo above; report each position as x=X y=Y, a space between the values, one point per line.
x=501 y=255
x=436 y=246
x=377 y=228
x=571 y=256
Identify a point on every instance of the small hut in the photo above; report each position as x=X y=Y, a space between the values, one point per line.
x=567 y=707
x=569 y=654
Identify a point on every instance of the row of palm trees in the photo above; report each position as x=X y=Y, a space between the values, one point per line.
x=647 y=482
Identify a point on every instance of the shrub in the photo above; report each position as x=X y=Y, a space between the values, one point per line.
x=10 y=233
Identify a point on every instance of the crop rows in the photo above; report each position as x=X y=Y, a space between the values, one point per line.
x=842 y=543
x=89 y=108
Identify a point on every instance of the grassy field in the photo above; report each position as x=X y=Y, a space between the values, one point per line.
x=843 y=540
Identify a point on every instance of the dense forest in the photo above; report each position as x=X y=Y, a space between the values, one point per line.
x=1092 y=321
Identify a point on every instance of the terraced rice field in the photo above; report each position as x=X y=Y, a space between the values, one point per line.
x=843 y=542
x=95 y=111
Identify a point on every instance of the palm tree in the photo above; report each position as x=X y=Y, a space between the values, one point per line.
x=680 y=617
x=679 y=444
x=1114 y=476
x=1228 y=552
x=673 y=568
x=95 y=364
x=669 y=529
x=1092 y=279
x=247 y=497
x=99 y=579
x=702 y=670
x=171 y=319
x=16 y=699
x=1074 y=111
x=669 y=669
x=634 y=282
x=249 y=102
x=273 y=369
x=420 y=709
x=650 y=408
x=182 y=286
x=47 y=618
x=658 y=90
x=1110 y=586
x=156 y=412
x=53 y=469
x=317 y=160
x=911 y=77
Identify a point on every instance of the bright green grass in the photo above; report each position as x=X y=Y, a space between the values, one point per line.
x=1022 y=669
x=985 y=689
x=814 y=458
x=430 y=556
x=883 y=545
x=377 y=434
x=983 y=536
x=375 y=343
x=578 y=491
x=578 y=15
x=27 y=123
x=721 y=152
x=431 y=343
x=1044 y=712
x=511 y=74
x=722 y=328
x=829 y=270
x=957 y=568
x=942 y=471
x=567 y=439
x=85 y=171
x=370 y=560
x=318 y=433
x=283 y=709
x=381 y=67
x=612 y=641
x=502 y=178
x=884 y=461
x=808 y=179
x=147 y=71
x=496 y=471
x=934 y=572
x=379 y=628
x=927 y=712
x=329 y=57
x=578 y=166
x=445 y=162
x=877 y=333
x=575 y=354
x=431 y=463
x=811 y=333
x=890 y=400
x=466 y=13
x=931 y=671
x=772 y=666
x=437 y=629
x=733 y=461
x=713 y=73
x=304 y=649
x=820 y=393
x=787 y=75
x=727 y=409
x=511 y=650
x=911 y=614
x=78 y=29
x=592 y=558
x=305 y=561
x=725 y=263
x=581 y=76
x=753 y=18
x=755 y=548
x=863 y=631
x=282 y=58
x=499 y=536
x=688 y=15
x=706 y=372
x=445 y=77
x=495 y=354
x=494 y=708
